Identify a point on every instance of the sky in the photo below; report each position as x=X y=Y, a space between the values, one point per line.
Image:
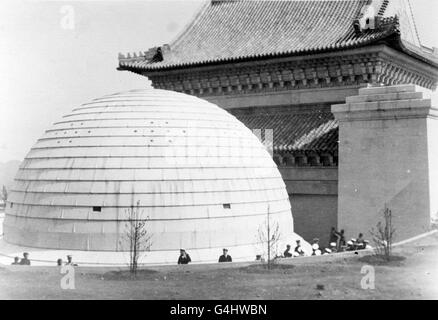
x=56 y=55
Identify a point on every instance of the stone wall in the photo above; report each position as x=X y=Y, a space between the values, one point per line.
x=388 y=158
x=313 y=193
x=432 y=127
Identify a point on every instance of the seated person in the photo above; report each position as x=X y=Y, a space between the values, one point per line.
x=360 y=242
x=16 y=261
x=341 y=241
x=287 y=253
x=350 y=245
x=25 y=260
x=184 y=257
x=333 y=247
x=298 y=249
x=315 y=250
x=225 y=257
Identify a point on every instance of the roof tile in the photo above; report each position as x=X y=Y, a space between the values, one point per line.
x=228 y=30
x=225 y=31
x=296 y=131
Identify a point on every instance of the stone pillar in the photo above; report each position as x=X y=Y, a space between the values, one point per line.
x=388 y=156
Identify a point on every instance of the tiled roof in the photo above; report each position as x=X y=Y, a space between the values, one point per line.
x=226 y=31
x=296 y=131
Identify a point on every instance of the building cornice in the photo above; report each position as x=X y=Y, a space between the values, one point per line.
x=377 y=64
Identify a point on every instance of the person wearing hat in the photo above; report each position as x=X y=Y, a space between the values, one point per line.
x=286 y=252
x=25 y=260
x=184 y=257
x=315 y=247
x=70 y=261
x=315 y=250
x=333 y=247
x=350 y=245
x=225 y=257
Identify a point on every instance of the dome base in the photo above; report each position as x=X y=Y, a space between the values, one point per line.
x=49 y=257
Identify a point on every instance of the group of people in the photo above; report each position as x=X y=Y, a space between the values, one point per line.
x=26 y=262
x=69 y=262
x=337 y=244
x=23 y=262
x=298 y=250
x=184 y=257
x=337 y=240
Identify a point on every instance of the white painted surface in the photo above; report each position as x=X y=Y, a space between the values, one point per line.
x=182 y=157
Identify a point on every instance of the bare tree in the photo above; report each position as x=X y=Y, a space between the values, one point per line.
x=4 y=195
x=269 y=236
x=383 y=235
x=136 y=235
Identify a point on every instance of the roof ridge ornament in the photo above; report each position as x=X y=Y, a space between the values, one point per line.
x=367 y=19
x=155 y=54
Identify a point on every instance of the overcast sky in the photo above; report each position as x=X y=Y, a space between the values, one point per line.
x=46 y=68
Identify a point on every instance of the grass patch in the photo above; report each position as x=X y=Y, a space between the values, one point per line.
x=380 y=260
x=263 y=268
x=123 y=275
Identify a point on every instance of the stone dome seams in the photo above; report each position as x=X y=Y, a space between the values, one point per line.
x=195 y=169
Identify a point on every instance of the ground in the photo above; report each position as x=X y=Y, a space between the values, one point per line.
x=415 y=276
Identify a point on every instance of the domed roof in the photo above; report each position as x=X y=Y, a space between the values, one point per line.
x=201 y=179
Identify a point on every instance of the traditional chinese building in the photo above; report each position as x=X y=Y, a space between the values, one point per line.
x=282 y=65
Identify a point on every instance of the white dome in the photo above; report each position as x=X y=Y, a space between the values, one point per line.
x=202 y=178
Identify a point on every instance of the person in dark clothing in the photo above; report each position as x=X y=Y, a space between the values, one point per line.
x=25 y=261
x=70 y=261
x=16 y=261
x=225 y=257
x=286 y=252
x=184 y=257
x=360 y=242
x=298 y=249
x=334 y=235
x=341 y=241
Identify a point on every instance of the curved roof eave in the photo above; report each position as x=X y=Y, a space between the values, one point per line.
x=143 y=66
